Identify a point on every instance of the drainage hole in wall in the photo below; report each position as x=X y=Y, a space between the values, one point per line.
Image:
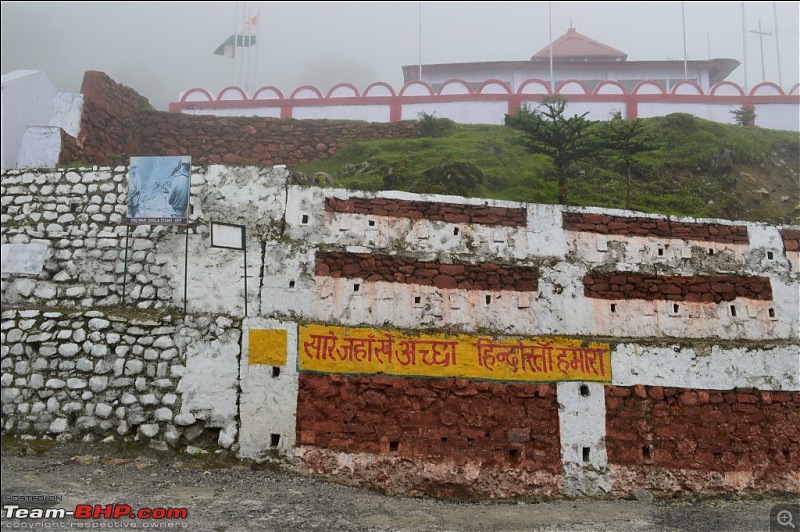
x=733 y=310
x=417 y=300
x=710 y=251
x=584 y=390
x=660 y=252
x=455 y=231
x=304 y=219
x=586 y=451
x=444 y=439
x=770 y=255
x=356 y=287
x=771 y=312
x=276 y=372
x=613 y=308
x=646 y=452
x=371 y=223
x=675 y=308
x=274 y=440
x=513 y=454
x=393 y=446
x=488 y=299
x=291 y=284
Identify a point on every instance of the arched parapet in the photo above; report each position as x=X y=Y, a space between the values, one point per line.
x=534 y=86
x=197 y=95
x=232 y=92
x=417 y=88
x=268 y=93
x=306 y=91
x=343 y=90
x=494 y=86
x=649 y=87
x=767 y=88
x=727 y=88
x=688 y=88
x=795 y=90
x=379 y=89
x=455 y=86
x=610 y=87
x=573 y=86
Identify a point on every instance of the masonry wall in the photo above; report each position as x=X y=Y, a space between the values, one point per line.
x=117 y=123
x=92 y=374
x=744 y=434
x=393 y=263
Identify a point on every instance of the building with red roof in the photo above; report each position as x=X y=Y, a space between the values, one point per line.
x=578 y=57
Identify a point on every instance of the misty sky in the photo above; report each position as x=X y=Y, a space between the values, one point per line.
x=163 y=48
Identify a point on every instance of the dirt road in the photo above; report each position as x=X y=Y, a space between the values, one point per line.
x=223 y=494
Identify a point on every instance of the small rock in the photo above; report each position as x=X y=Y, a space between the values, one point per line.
x=86 y=459
x=643 y=496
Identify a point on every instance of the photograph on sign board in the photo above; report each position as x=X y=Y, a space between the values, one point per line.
x=158 y=190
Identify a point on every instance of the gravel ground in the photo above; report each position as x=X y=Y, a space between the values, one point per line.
x=224 y=494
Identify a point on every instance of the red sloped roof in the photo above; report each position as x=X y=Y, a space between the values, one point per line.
x=575 y=46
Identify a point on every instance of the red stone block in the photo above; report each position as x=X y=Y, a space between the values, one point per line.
x=746 y=398
x=656 y=392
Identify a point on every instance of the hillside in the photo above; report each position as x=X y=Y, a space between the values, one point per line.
x=760 y=183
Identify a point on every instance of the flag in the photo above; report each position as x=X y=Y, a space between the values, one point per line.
x=243 y=40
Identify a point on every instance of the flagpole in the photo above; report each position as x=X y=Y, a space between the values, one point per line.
x=777 y=42
x=550 y=24
x=744 y=48
x=241 y=60
x=258 y=38
x=420 y=40
x=235 y=22
x=685 y=59
x=247 y=41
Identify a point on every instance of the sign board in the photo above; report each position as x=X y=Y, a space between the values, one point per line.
x=228 y=236
x=158 y=190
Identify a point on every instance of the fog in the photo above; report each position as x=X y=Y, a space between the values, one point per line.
x=161 y=49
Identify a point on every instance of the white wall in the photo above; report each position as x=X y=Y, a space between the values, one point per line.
x=27 y=101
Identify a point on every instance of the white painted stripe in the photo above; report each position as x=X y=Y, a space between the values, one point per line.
x=582 y=425
x=268 y=404
x=713 y=368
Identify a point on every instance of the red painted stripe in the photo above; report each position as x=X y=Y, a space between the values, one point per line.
x=695 y=288
x=408 y=270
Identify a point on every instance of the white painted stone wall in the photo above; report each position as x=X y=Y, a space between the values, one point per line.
x=72 y=223
x=32 y=113
x=41 y=147
x=90 y=374
x=27 y=101
x=268 y=403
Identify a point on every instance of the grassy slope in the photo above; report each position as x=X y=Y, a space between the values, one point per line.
x=676 y=180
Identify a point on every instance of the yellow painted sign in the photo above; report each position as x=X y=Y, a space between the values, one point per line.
x=267 y=347
x=329 y=349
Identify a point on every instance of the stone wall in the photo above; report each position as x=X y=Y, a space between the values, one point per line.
x=84 y=298
x=117 y=122
x=90 y=374
x=641 y=226
x=702 y=289
x=394 y=269
x=427 y=210
x=744 y=431
x=479 y=425
x=111 y=119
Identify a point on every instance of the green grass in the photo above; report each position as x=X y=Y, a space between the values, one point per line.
x=676 y=180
